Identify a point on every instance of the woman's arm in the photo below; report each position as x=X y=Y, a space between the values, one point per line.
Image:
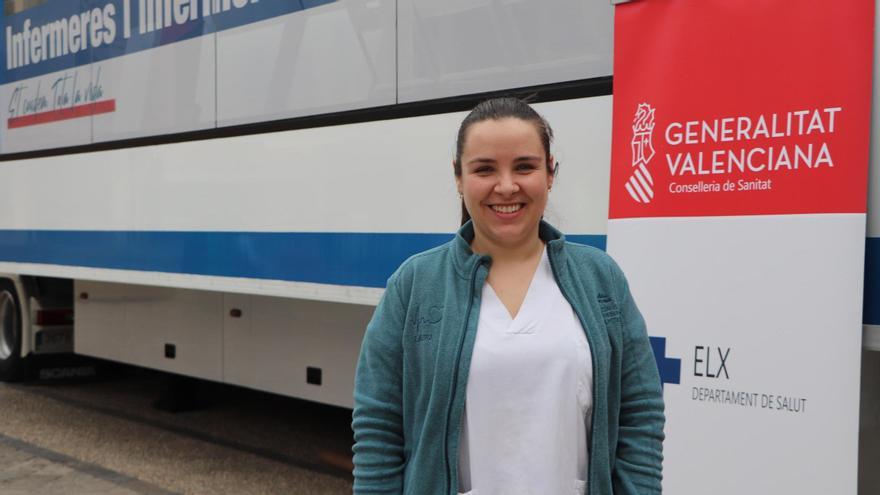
x=377 y=419
x=639 y=455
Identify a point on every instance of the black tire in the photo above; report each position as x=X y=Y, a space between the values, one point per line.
x=11 y=362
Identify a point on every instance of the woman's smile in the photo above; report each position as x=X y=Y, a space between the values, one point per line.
x=507 y=210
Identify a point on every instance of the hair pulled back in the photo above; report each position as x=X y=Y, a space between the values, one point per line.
x=497 y=109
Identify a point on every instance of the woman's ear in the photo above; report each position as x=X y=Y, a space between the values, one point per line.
x=553 y=171
x=457 y=179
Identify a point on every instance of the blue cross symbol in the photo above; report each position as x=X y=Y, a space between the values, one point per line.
x=669 y=368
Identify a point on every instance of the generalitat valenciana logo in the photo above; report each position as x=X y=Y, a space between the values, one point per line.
x=640 y=184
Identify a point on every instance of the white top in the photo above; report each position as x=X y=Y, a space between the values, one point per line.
x=529 y=397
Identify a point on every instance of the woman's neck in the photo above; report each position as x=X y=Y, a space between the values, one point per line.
x=508 y=254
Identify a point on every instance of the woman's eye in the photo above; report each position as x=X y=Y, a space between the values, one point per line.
x=526 y=167
x=483 y=170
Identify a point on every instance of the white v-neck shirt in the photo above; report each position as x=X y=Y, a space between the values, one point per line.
x=529 y=396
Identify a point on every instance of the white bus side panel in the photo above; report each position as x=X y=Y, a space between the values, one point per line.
x=338 y=56
x=460 y=47
x=357 y=176
x=259 y=287
x=268 y=347
x=275 y=340
x=132 y=324
x=164 y=90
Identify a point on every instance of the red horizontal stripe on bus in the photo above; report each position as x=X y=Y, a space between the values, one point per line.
x=77 y=111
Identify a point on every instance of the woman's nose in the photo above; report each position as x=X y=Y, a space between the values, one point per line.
x=506 y=185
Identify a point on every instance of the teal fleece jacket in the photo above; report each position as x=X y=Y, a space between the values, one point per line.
x=412 y=373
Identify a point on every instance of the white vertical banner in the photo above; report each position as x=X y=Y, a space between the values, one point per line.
x=737 y=210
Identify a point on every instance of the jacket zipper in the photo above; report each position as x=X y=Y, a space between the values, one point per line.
x=467 y=316
x=593 y=362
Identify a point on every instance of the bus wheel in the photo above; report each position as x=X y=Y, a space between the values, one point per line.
x=11 y=365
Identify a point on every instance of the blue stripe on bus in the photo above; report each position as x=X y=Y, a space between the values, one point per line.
x=356 y=259
x=871 y=307
x=58 y=10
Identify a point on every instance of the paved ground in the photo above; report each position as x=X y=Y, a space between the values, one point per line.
x=28 y=469
x=106 y=438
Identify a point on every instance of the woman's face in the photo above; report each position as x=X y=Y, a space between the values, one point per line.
x=504 y=181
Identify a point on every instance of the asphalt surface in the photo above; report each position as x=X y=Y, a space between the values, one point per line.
x=106 y=437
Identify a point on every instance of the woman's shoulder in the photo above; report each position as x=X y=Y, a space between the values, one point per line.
x=595 y=263
x=583 y=253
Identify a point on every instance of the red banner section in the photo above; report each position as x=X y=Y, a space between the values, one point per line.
x=67 y=113
x=740 y=108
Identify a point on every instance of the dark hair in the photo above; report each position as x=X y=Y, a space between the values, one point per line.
x=497 y=109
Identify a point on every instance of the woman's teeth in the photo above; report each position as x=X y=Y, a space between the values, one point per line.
x=507 y=208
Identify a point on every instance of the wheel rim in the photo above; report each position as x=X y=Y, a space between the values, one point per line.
x=8 y=325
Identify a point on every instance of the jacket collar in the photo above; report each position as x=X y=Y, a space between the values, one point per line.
x=464 y=258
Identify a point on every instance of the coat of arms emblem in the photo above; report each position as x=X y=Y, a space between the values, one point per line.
x=640 y=185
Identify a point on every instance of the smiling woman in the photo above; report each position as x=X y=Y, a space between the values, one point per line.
x=528 y=126
x=504 y=179
x=534 y=374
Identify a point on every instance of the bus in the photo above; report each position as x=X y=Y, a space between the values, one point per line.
x=220 y=189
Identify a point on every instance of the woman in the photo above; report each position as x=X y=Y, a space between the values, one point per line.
x=507 y=361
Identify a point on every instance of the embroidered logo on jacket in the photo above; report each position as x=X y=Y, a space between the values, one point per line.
x=422 y=321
